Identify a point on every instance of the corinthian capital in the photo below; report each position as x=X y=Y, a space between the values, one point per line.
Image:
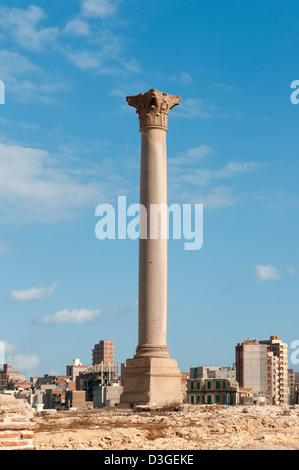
x=153 y=107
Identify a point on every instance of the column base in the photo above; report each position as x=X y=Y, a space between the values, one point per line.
x=151 y=381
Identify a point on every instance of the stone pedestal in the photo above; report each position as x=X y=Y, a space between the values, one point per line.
x=152 y=377
x=152 y=380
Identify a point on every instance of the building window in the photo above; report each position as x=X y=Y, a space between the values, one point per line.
x=192 y=399
x=218 y=398
x=191 y=385
x=224 y=384
x=217 y=385
x=209 y=399
x=198 y=398
x=209 y=385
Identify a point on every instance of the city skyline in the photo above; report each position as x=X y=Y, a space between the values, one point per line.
x=69 y=142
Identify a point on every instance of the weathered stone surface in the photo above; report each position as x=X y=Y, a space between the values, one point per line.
x=16 y=424
x=152 y=380
x=153 y=107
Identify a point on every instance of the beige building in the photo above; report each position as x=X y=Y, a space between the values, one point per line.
x=10 y=379
x=76 y=399
x=107 y=395
x=252 y=367
x=280 y=352
x=212 y=391
x=74 y=370
x=263 y=367
x=213 y=372
x=273 y=379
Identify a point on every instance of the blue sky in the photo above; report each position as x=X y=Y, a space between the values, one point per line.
x=69 y=141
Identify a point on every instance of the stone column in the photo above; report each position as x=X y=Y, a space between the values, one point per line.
x=152 y=377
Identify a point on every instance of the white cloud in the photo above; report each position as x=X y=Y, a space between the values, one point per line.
x=219 y=197
x=118 y=309
x=85 y=59
x=12 y=63
x=203 y=176
x=266 y=272
x=292 y=270
x=191 y=156
x=239 y=167
x=33 y=189
x=9 y=347
x=5 y=247
x=199 y=108
x=26 y=80
x=194 y=108
x=192 y=183
x=184 y=77
x=104 y=55
x=76 y=316
x=222 y=86
x=20 y=362
x=23 y=26
x=35 y=293
x=99 y=8
x=23 y=362
x=77 y=27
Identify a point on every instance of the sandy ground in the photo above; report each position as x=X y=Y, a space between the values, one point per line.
x=190 y=427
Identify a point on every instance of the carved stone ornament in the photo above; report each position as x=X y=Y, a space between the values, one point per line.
x=153 y=107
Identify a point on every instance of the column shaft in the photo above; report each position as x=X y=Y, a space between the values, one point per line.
x=153 y=252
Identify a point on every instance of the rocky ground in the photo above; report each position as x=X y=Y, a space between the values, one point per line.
x=189 y=427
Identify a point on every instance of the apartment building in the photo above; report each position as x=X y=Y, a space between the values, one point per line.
x=8 y=378
x=263 y=367
x=280 y=352
x=272 y=379
x=95 y=377
x=103 y=352
x=212 y=391
x=58 y=380
x=252 y=367
x=74 y=370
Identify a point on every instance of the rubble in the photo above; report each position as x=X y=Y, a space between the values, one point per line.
x=189 y=427
x=16 y=424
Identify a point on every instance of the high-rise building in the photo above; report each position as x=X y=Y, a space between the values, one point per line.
x=103 y=352
x=252 y=367
x=273 y=379
x=263 y=367
x=280 y=351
